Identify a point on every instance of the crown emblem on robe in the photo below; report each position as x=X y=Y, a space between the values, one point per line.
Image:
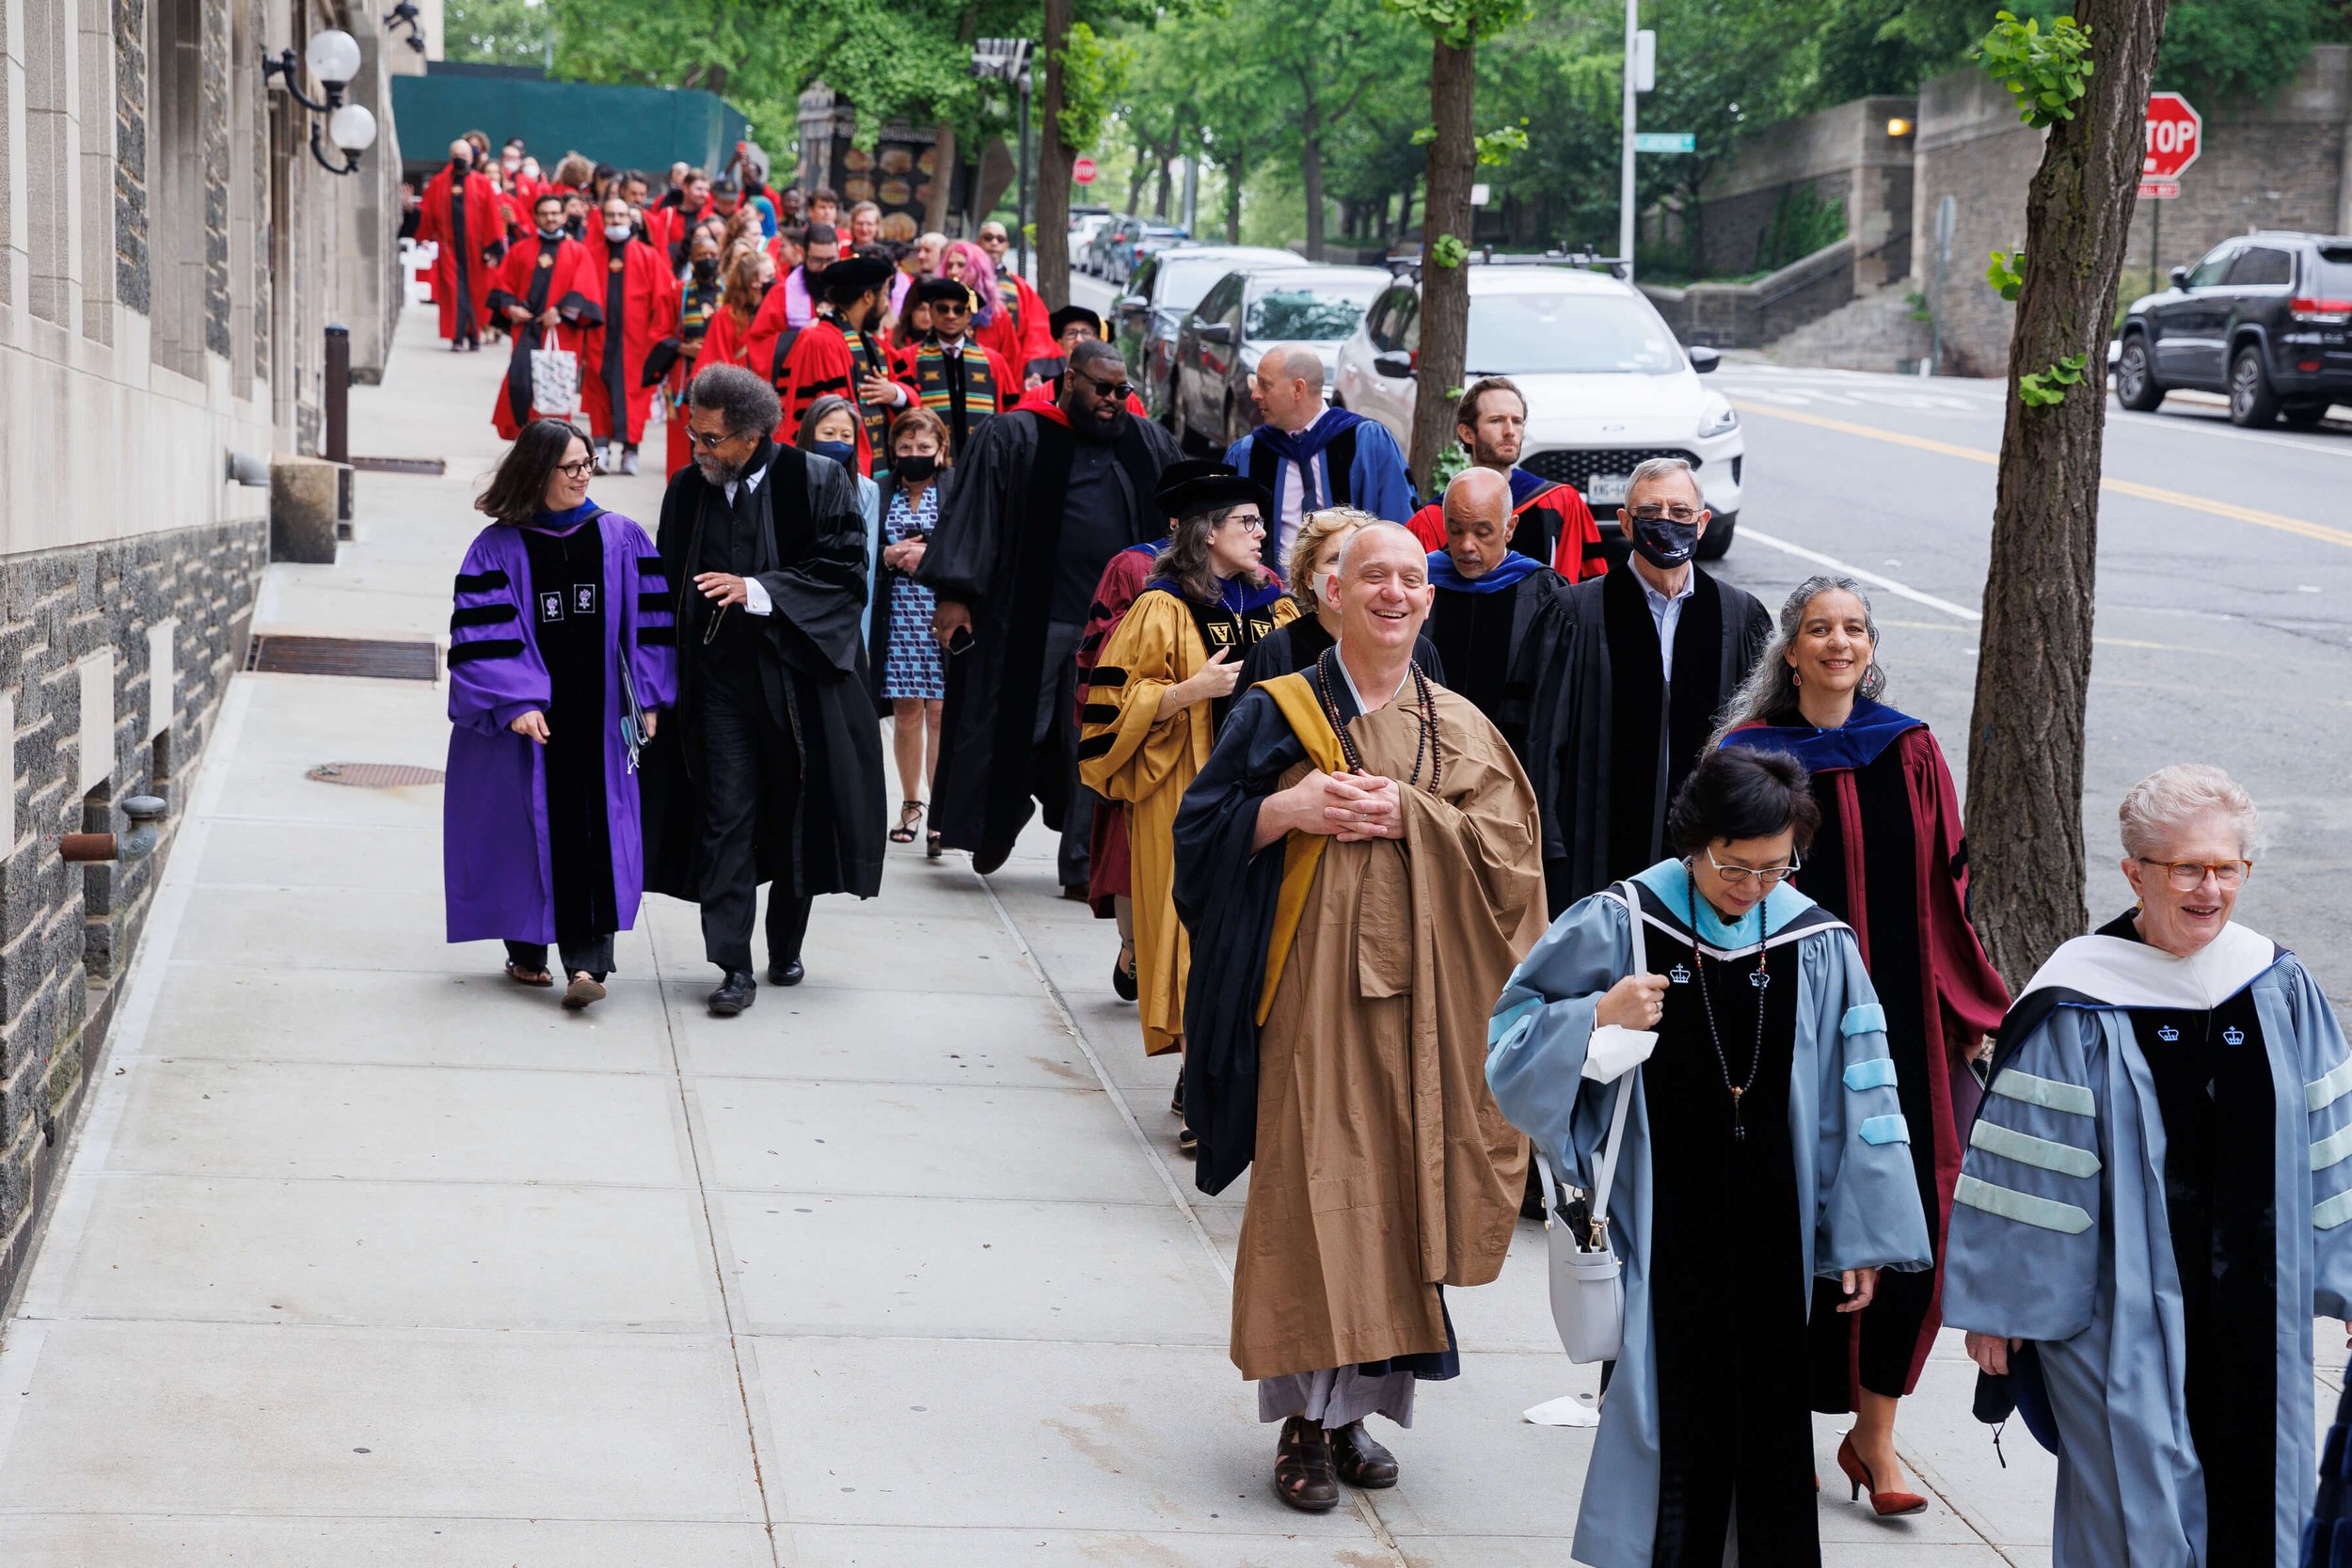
x=1680 y=975
x=2168 y=1033
x=2233 y=1036
x=1760 y=979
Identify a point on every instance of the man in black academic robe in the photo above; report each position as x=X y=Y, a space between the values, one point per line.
x=1653 y=653
x=1497 y=621
x=1050 y=491
x=770 y=771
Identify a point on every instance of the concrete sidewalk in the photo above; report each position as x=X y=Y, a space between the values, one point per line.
x=368 y=1257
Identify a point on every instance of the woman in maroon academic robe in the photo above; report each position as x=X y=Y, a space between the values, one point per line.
x=544 y=288
x=562 y=654
x=639 y=299
x=458 y=215
x=1890 y=861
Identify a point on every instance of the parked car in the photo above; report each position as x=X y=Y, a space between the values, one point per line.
x=2266 y=317
x=1218 y=345
x=1083 y=227
x=1162 y=293
x=1121 y=226
x=1155 y=238
x=1606 y=383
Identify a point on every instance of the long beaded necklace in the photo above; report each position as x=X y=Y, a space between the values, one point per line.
x=1428 y=745
x=1760 y=979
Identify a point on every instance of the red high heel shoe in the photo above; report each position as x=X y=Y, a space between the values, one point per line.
x=1887 y=1504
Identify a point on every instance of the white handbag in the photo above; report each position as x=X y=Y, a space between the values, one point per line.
x=555 y=379
x=1587 y=1277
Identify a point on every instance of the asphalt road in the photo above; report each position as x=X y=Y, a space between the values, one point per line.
x=2224 y=627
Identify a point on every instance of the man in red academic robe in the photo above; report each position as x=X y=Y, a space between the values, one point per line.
x=1022 y=334
x=639 y=296
x=835 y=355
x=459 y=215
x=792 y=305
x=548 y=300
x=1550 y=521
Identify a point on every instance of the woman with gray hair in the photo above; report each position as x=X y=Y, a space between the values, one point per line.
x=2154 y=1205
x=1891 y=862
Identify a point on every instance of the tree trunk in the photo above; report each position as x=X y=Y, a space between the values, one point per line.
x=2033 y=666
x=1135 y=181
x=1236 y=172
x=1053 y=168
x=1162 y=155
x=1444 y=291
x=1311 y=164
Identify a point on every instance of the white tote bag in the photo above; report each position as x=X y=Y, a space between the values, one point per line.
x=555 y=379
x=1587 y=1278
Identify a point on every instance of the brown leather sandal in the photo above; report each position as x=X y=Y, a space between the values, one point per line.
x=1360 y=1460
x=1303 y=1477
x=522 y=976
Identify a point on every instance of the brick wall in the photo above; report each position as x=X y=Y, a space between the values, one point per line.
x=67 y=932
x=131 y=266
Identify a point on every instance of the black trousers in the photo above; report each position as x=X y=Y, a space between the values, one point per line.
x=749 y=761
x=1057 y=702
x=595 y=956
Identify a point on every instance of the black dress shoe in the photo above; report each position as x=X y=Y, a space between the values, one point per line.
x=734 y=994
x=1122 y=980
x=1358 y=1459
x=1075 y=893
x=787 y=974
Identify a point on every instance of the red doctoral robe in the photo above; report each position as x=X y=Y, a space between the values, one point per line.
x=560 y=278
x=639 y=299
x=462 y=222
x=825 y=361
x=1021 y=337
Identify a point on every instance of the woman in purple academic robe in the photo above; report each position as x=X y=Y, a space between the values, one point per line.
x=561 y=647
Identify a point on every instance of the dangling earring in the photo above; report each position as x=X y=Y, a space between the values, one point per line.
x=1796 y=677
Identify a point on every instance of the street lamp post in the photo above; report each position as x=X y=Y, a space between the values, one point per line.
x=1007 y=60
x=333 y=58
x=1625 y=171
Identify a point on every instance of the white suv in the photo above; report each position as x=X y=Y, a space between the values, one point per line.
x=1606 y=383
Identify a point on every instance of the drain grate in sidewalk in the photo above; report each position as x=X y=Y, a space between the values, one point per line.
x=344 y=656
x=375 y=775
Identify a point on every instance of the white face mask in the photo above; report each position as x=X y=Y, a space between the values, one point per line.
x=510 y=165
x=616 y=233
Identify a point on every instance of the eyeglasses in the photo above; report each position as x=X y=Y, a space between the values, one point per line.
x=1664 y=514
x=707 y=441
x=2188 y=876
x=1252 y=523
x=581 y=469
x=1118 y=390
x=1773 y=876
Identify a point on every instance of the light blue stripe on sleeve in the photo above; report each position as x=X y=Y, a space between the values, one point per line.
x=2047 y=1093
x=2332 y=1149
x=2333 y=1212
x=1867 y=1018
x=2026 y=1208
x=1504 y=1022
x=1885 y=1129
x=1876 y=1073
x=2319 y=1096
x=2026 y=1149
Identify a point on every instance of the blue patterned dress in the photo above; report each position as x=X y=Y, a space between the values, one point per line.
x=911 y=667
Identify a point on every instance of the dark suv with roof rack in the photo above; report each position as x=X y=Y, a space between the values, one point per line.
x=2266 y=317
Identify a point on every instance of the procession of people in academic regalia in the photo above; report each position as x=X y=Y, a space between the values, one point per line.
x=1467 y=865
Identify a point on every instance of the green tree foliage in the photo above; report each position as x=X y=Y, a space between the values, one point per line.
x=497 y=32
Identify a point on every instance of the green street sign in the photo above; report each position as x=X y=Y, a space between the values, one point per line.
x=1665 y=141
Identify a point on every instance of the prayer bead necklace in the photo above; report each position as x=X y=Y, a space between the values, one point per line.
x=1427 y=744
x=1760 y=979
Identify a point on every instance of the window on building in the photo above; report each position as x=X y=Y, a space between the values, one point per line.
x=48 y=65
x=175 y=184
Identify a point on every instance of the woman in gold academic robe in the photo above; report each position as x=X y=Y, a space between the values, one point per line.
x=1162 y=686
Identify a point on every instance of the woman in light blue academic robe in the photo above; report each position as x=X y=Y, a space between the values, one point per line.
x=2154 y=1207
x=1726 y=1206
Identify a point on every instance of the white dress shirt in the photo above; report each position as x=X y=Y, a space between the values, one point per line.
x=756 y=599
x=1666 y=613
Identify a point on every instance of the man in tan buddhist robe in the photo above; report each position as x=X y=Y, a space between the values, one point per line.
x=1359 y=864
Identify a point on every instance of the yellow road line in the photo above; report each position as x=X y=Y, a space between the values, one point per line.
x=2230 y=509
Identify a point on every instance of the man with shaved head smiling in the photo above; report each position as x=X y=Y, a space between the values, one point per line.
x=1308 y=456
x=1357 y=865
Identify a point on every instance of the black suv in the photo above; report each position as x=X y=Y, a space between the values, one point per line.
x=2264 y=317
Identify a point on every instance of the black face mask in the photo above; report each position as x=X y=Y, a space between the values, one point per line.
x=916 y=469
x=576 y=226
x=1664 y=543
x=705 y=269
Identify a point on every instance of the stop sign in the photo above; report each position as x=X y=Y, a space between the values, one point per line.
x=2176 y=134
x=1083 y=171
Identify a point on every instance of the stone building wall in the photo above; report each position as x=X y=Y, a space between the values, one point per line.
x=167 y=268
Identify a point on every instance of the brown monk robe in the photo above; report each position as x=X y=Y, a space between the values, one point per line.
x=1336 y=1018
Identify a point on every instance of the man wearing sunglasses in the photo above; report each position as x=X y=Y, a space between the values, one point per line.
x=1049 y=492
x=960 y=381
x=1654 y=649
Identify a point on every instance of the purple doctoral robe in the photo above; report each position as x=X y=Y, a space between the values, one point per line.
x=497 y=865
